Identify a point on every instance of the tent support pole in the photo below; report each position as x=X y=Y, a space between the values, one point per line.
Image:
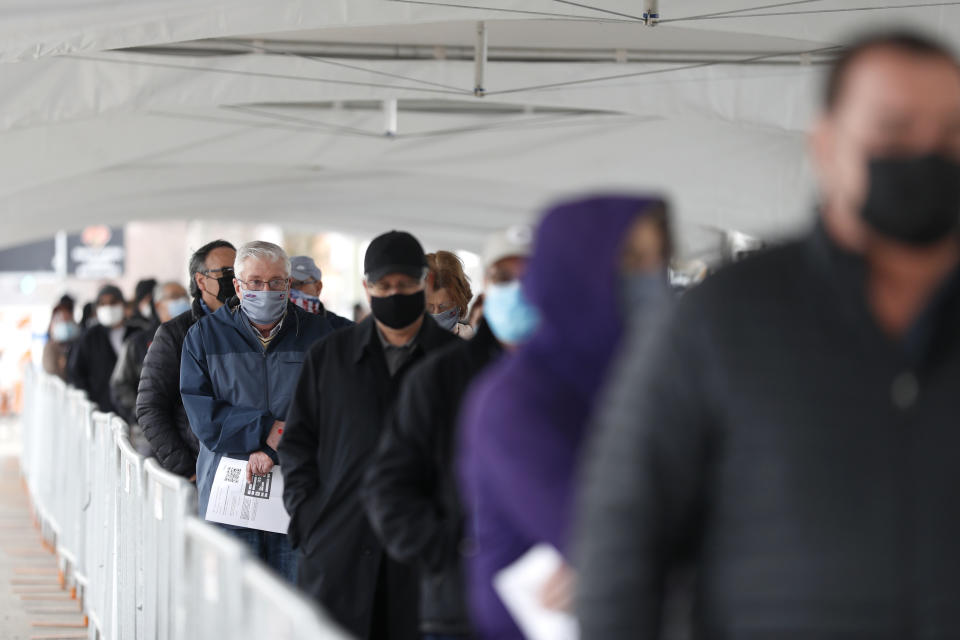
x=651 y=12
x=390 y=117
x=480 y=60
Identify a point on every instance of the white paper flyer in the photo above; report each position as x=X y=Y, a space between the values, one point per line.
x=253 y=505
x=519 y=587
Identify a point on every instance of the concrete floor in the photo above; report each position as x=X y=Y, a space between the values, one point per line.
x=33 y=606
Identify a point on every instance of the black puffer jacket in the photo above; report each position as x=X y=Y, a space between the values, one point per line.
x=159 y=406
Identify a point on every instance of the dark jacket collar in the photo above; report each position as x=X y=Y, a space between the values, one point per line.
x=365 y=337
x=846 y=274
x=197 y=309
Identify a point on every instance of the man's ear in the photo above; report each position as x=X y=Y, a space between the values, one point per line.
x=820 y=143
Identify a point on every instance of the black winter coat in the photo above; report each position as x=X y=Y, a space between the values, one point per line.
x=343 y=397
x=92 y=361
x=411 y=490
x=801 y=459
x=160 y=410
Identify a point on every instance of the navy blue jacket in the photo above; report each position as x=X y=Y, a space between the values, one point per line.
x=233 y=390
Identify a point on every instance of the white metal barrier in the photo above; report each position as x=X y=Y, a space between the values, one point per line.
x=128 y=543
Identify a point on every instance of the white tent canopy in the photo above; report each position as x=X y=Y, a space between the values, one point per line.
x=276 y=110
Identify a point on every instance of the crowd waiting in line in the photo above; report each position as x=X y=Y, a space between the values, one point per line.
x=771 y=455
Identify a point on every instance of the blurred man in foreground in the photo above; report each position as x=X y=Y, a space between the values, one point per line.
x=792 y=434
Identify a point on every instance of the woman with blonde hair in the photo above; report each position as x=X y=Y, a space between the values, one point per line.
x=448 y=293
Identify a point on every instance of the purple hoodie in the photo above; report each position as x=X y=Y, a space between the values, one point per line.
x=524 y=419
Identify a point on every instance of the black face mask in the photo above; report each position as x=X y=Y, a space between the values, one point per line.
x=915 y=199
x=399 y=311
x=226 y=288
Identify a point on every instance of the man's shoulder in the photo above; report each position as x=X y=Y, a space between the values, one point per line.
x=179 y=325
x=217 y=330
x=773 y=270
x=338 y=322
x=450 y=357
x=339 y=340
x=140 y=337
x=311 y=325
x=435 y=337
x=95 y=335
x=96 y=332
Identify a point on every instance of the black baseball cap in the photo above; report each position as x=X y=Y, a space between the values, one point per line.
x=394 y=252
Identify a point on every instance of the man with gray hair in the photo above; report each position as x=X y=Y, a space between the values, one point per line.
x=238 y=371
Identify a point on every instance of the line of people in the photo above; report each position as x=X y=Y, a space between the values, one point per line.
x=772 y=455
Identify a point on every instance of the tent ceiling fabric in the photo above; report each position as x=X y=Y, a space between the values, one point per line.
x=709 y=110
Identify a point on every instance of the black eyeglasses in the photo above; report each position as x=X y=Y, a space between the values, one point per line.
x=277 y=284
x=224 y=271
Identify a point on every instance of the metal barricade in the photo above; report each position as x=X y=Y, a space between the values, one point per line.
x=211 y=575
x=169 y=499
x=130 y=548
x=273 y=610
x=73 y=487
x=126 y=533
x=104 y=531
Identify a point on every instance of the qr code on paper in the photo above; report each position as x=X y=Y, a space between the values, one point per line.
x=260 y=487
x=233 y=475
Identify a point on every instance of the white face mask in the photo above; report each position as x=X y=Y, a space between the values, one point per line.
x=146 y=310
x=110 y=316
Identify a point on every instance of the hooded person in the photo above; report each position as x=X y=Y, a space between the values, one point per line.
x=144 y=314
x=594 y=262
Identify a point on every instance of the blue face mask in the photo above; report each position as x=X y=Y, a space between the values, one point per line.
x=448 y=319
x=64 y=331
x=264 y=307
x=643 y=291
x=177 y=306
x=511 y=318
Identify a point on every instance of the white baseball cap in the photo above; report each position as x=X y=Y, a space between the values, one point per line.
x=514 y=241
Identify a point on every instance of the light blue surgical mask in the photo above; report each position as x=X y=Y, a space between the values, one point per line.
x=177 y=306
x=448 y=319
x=511 y=317
x=264 y=307
x=64 y=331
x=643 y=291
